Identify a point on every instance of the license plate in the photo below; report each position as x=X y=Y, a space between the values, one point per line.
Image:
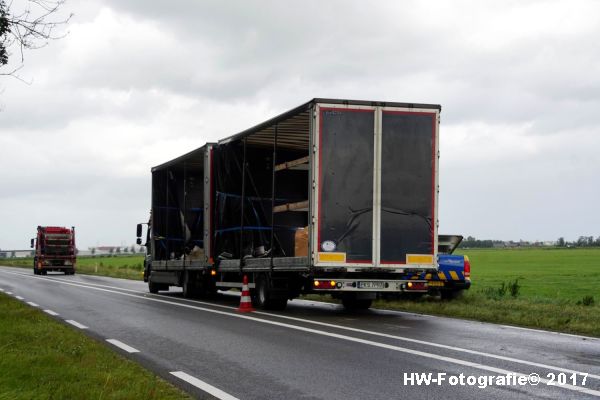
x=435 y=283
x=371 y=285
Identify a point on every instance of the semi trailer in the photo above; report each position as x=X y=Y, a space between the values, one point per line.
x=54 y=250
x=335 y=196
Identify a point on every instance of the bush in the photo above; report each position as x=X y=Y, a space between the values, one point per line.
x=586 y=301
x=514 y=287
x=497 y=293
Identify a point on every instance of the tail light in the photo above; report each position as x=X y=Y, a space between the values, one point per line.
x=323 y=284
x=467 y=269
x=416 y=286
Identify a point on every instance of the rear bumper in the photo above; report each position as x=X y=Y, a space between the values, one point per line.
x=369 y=285
x=449 y=285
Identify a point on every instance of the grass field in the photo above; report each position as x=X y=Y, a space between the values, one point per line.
x=128 y=267
x=559 y=289
x=555 y=274
x=44 y=359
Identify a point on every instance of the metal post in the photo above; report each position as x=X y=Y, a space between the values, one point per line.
x=183 y=222
x=273 y=196
x=243 y=201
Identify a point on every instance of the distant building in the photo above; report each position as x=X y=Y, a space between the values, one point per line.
x=16 y=253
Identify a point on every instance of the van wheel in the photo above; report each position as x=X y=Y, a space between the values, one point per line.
x=451 y=294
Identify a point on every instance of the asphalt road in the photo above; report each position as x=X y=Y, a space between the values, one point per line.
x=312 y=350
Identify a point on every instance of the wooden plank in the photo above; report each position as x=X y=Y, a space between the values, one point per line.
x=293 y=163
x=299 y=206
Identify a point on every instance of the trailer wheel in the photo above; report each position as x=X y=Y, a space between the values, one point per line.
x=263 y=296
x=153 y=287
x=189 y=285
x=352 y=303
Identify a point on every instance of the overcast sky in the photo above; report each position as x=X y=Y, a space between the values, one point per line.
x=137 y=82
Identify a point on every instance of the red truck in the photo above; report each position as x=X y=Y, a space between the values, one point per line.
x=54 y=250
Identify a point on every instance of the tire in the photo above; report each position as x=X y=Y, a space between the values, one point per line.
x=189 y=285
x=353 y=304
x=451 y=294
x=35 y=271
x=153 y=287
x=263 y=297
x=44 y=272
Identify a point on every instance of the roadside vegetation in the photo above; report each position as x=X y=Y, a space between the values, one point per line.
x=124 y=266
x=44 y=359
x=552 y=289
x=555 y=289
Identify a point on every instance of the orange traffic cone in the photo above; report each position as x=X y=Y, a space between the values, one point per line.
x=245 y=300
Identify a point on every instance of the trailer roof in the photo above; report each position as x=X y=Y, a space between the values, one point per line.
x=300 y=115
x=194 y=158
x=292 y=129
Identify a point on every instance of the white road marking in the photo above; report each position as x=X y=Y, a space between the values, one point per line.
x=122 y=346
x=334 y=335
x=77 y=324
x=8 y=292
x=19 y=297
x=218 y=393
x=51 y=312
x=31 y=303
x=402 y=338
x=1 y=290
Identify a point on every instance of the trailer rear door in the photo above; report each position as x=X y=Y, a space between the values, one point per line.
x=375 y=191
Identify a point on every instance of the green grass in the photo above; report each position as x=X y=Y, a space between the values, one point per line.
x=44 y=359
x=555 y=274
x=128 y=267
x=556 y=289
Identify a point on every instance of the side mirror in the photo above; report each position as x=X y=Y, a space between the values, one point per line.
x=138 y=241
x=139 y=231
x=32 y=243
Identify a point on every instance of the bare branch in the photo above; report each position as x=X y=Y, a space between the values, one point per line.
x=31 y=28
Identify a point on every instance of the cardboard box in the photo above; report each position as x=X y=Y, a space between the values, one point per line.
x=301 y=242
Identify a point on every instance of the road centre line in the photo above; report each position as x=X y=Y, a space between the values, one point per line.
x=356 y=330
x=438 y=357
x=31 y=303
x=19 y=297
x=122 y=346
x=75 y=323
x=218 y=393
x=51 y=312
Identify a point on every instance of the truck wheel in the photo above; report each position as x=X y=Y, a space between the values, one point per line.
x=189 y=285
x=263 y=296
x=35 y=271
x=451 y=294
x=153 y=287
x=44 y=272
x=352 y=304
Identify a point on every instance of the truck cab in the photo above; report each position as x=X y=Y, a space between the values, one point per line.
x=54 y=250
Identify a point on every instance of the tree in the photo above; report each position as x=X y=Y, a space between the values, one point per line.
x=560 y=242
x=29 y=28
